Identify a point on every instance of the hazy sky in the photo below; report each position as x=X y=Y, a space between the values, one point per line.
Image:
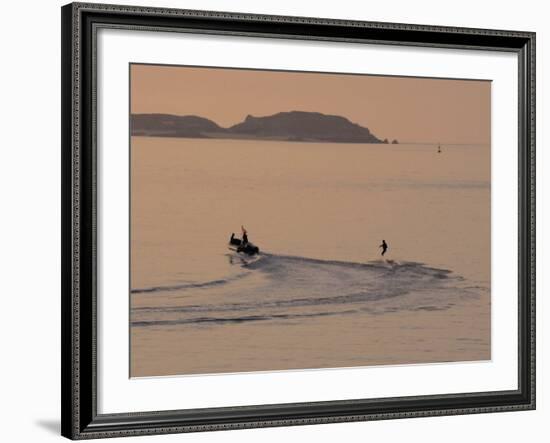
x=408 y=109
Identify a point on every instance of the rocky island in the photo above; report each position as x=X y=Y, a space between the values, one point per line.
x=284 y=126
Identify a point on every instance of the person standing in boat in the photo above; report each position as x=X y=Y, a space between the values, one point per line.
x=384 y=247
x=245 y=236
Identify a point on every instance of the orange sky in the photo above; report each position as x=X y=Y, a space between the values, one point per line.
x=409 y=109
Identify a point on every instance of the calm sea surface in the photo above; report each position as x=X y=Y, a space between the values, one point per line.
x=319 y=295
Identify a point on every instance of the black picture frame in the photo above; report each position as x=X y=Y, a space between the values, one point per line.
x=79 y=179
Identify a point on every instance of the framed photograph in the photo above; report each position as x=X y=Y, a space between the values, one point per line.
x=273 y=221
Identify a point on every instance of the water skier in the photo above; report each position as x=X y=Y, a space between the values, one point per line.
x=384 y=247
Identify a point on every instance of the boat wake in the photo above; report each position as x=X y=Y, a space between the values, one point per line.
x=281 y=288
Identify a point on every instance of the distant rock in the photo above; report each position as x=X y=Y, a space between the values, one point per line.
x=166 y=125
x=285 y=126
x=394 y=142
x=385 y=141
x=304 y=126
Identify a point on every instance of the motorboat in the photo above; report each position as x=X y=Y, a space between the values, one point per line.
x=236 y=244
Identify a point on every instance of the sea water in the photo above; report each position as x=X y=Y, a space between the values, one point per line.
x=319 y=294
